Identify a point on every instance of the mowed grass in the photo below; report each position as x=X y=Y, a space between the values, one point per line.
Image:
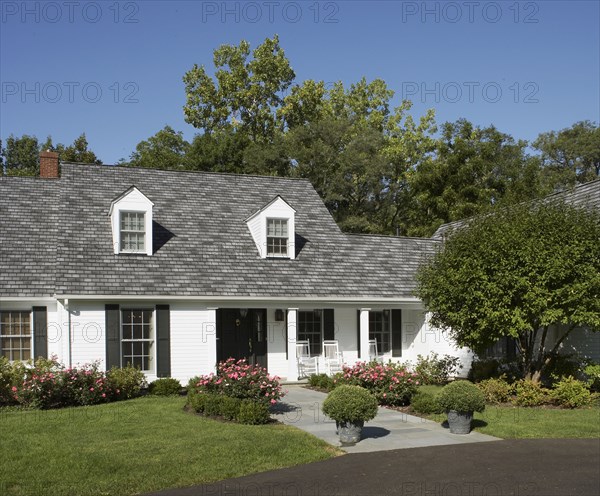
x=137 y=446
x=512 y=422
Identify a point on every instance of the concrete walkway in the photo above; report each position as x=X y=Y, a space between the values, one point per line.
x=389 y=430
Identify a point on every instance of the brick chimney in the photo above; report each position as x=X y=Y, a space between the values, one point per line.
x=49 y=165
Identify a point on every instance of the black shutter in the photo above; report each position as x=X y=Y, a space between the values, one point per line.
x=358 y=332
x=40 y=332
x=397 y=333
x=328 y=324
x=113 y=336
x=163 y=340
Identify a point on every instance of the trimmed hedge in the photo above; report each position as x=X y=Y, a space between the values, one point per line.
x=246 y=411
x=166 y=386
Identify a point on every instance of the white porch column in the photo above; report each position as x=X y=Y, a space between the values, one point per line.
x=292 y=320
x=364 y=334
x=209 y=336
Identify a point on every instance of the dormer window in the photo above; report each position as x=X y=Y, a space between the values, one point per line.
x=131 y=221
x=277 y=238
x=133 y=232
x=273 y=229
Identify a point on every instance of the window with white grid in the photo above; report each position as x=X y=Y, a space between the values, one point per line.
x=15 y=335
x=133 y=232
x=277 y=237
x=137 y=338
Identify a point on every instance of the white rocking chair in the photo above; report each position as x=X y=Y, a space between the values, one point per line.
x=332 y=357
x=307 y=365
x=373 y=354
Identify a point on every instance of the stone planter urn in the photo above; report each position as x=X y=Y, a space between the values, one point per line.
x=350 y=432
x=459 y=422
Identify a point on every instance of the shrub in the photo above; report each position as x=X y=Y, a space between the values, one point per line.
x=391 y=383
x=350 y=404
x=592 y=373
x=571 y=393
x=562 y=366
x=85 y=385
x=213 y=404
x=165 y=387
x=495 y=390
x=240 y=380
x=127 y=382
x=253 y=412
x=230 y=407
x=484 y=369
x=461 y=396
x=491 y=368
x=435 y=370
x=11 y=377
x=529 y=393
x=321 y=381
x=425 y=402
x=196 y=401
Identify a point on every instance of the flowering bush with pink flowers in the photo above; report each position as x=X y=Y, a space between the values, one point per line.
x=392 y=384
x=46 y=383
x=238 y=379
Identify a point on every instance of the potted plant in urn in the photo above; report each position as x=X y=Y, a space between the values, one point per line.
x=350 y=407
x=459 y=400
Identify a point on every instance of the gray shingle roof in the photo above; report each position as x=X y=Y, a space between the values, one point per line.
x=56 y=239
x=582 y=195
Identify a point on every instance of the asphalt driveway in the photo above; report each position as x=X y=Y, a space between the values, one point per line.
x=523 y=467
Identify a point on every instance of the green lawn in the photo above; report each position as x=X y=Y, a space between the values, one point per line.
x=527 y=422
x=511 y=422
x=137 y=446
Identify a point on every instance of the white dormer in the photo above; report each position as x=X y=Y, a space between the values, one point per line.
x=273 y=229
x=131 y=221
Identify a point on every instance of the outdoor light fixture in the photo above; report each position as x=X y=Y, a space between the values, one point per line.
x=386 y=313
x=317 y=312
x=279 y=315
x=243 y=312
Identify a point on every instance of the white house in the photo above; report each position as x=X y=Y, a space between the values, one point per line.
x=173 y=271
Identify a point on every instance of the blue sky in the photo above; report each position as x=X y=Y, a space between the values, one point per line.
x=114 y=69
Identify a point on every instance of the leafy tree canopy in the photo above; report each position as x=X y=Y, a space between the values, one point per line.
x=571 y=155
x=516 y=273
x=167 y=149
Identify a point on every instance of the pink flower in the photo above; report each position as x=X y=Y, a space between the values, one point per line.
x=14 y=388
x=103 y=395
x=91 y=389
x=273 y=402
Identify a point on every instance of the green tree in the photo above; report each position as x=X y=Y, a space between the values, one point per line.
x=165 y=150
x=472 y=170
x=21 y=156
x=77 y=152
x=516 y=273
x=244 y=94
x=571 y=155
x=220 y=151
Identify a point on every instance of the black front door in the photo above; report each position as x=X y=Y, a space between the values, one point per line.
x=242 y=334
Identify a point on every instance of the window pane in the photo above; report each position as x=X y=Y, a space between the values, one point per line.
x=310 y=327
x=379 y=329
